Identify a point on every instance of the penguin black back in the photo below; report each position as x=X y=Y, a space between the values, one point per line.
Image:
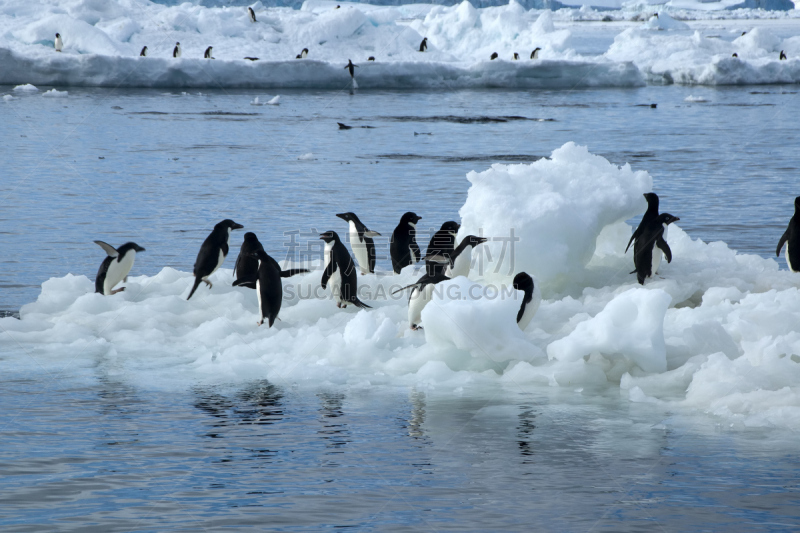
x=143 y=53
x=252 y=14
x=647 y=218
x=442 y=243
x=403 y=246
x=212 y=252
x=651 y=236
x=207 y=54
x=423 y=45
x=351 y=68
x=524 y=282
x=116 y=266
x=246 y=267
x=338 y=263
x=269 y=286
x=791 y=238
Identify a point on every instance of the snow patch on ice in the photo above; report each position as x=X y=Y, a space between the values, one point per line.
x=53 y=93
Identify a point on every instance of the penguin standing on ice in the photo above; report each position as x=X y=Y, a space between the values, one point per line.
x=176 y=52
x=59 y=44
x=791 y=238
x=493 y=56
x=143 y=53
x=535 y=53
x=115 y=267
x=530 y=301
x=303 y=54
x=516 y=56
x=782 y=56
x=442 y=243
x=648 y=217
x=207 y=55
x=268 y=285
x=246 y=267
x=361 y=242
x=403 y=246
x=340 y=271
x=212 y=253
x=421 y=294
x=252 y=14
x=423 y=45
x=648 y=247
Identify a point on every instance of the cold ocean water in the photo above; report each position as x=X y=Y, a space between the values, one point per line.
x=97 y=438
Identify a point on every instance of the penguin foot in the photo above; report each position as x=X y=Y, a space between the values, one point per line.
x=115 y=291
x=259 y=322
x=207 y=283
x=339 y=305
x=415 y=327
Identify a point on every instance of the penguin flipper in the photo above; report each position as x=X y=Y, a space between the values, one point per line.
x=370 y=233
x=329 y=270
x=664 y=247
x=781 y=242
x=110 y=250
x=248 y=284
x=371 y=258
x=406 y=287
x=293 y=272
x=634 y=236
x=417 y=253
x=197 y=281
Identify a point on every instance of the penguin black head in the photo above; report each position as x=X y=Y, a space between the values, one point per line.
x=735 y=55
x=228 y=223
x=329 y=236
x=304 y=51
x=58 y=35
x=516 y=56
x=474 y=241
x=451 y=226
x=494 y=56
x=652 y=200
x=349 y=216
x=666 y=218
x=797 y=204
x=250 y=237
x=744 y=33
x=523 y=282
x=131 y=246
x=410 y=218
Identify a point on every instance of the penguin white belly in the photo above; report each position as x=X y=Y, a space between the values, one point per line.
x=657 y=253
x=258 y=292
x=220 y=260
x=118 y=270
x=335 y=282
x=461 y=264
x=417 y=302
x=788 y=259
x=412 y=255
x=359 y=249
x=531 y=308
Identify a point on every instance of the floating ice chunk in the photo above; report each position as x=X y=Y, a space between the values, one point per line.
x=632 y=325
x=306 y=157
x=53 y=93
x=663 y=21
x=255 y=101
x=274 y=101
x=27 y=88
x=697 y=99
x=7 y=97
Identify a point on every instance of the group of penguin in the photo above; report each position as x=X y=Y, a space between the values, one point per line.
x=256 y=269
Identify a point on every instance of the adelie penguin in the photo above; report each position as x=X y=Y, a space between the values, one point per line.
x=531 y=299
x=782 y=56
x=303 y=54
x=176 y=52
x=361 y=242
x=252 y=14
x=350 y=67
x=143 y=53
x=421 y=294
x=340 y=272
x=268 y=285
x=461 y=258
x=535 y=53
x=246 y=267
x=59 y=44
x=208 y=55
x=442 y=243
x=212 y=253
x=493 y=56
x=115 y=267
x=791 y=238
x=403 y=246
x=423 y=45
x=648 y=217
x=515 y=57
x=652 y=241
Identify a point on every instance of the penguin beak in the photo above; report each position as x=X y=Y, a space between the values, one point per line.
x=675 y=219
x=481 y=240
x=140 y=249
x=236 y=226
x=343 y=216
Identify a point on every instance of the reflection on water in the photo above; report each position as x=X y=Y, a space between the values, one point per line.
x=417 y=418
x=335 y=431
x=525 y=429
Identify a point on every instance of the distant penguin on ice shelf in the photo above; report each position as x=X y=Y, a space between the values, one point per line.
x=340 y=272
x=350 y=67
x=303 y=54
x=493 y=56
x=782 y=56
x=115 y=267
x=423 y=46
x=176 y=52
x=361 y=242
x=371 y=58
x=212 y=253
x=535 y=53
x=530 y=301
x=252 y=14
x=649 y=246
x=791 y=238
x=515 y=57
x=59 y=44
x=143 y=53
x=208 y=55
x=403 y=247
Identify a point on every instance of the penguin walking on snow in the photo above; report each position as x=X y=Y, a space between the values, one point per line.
x=252 y=14
x=651 y=243
x=304 y=53
x=207 y=55
x=782 y=56
x=246 y=267
x=361 y=242
x=403 y=246
x=423 y=45
x=176 y=52
x=530 y=301
x=268 y=285
x=340 y=271
x=212 y=253
x=421 y=295
x=648 y=217
x=535 y=53
x=115 y=267
x=791 y=238
x=442 y=243
x=59 y=44
x=143 y=53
